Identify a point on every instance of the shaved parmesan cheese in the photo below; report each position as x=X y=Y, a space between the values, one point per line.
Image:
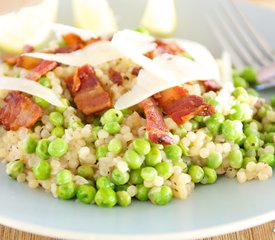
x=178 y=70
x=94 y=54
x=162 y=72
x=61 y=29
x=30 y=87
x=202 y=56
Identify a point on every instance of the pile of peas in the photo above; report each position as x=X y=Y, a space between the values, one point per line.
x=144 y=158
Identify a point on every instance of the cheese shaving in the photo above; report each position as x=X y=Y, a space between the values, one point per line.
x=30 y=87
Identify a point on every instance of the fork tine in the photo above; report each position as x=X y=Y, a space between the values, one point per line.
x=224 y=43
x=244 y=34
x=261 y=43
x=229 y=34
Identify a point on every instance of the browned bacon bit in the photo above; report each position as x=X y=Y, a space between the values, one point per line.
x=136 y=70
x=19 y=111
x=115 y=76
x=165 y=47
x=170 y=95
x=42 y=68
x=27 y=62
x=181 y=106
x=11 y=59
x=188 y=107
x=210 y=85
x=89 y=96
x=155 y=125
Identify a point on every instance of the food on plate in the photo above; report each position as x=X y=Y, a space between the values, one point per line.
x=109 y=118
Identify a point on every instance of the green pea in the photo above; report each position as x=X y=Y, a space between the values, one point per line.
x=252 y=92
x=112 y=115
x=58 y=131
x=112 y=127
x=232 y=130
x=252 y=142
x=123 y=198
x=272 y=101
x=115 y=146
x=251 y=132
x=180 y=131
x=42 y=170
x=30 y=144
x=119 y=177
x=44 y=81
x=63 y=177
x=95 y=131
x=214 y=123
x=143 y=30
x=41 y=102
x=164 y=169
x=106 y=197
x=250 y=75
x=86 y=194
x=14 y=168
x=85 y=171
x=215 y=104
x=101 y=151
x=141 y=146
x=269 y=137
x=66 y=191
x=153 y=157
x=235 y=159
x=133 y=159
x=182 y=165
x=247 y=160
x=196 y=173
x=160 y=195
x=237 y=112
x=270 y=127
x=195 y=125
x=173 y=152
x=142 y=192
x=126 y=111
x=267 y=158
x=148 y=173
x=66 y=104
x=104 y=182
x=240 y=92
x=42 y=149
x=210 y=176
x=56 y=118
x=239 y=82
x=214 y=160
x=58 y=147
x=135 y=176
x=62 y=43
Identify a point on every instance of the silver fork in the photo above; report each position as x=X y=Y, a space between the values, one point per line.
x=237 y=36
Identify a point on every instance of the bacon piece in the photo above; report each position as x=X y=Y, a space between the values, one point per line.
x=115 y=76
x=19 y=111
x=11 y=59
x=155 y=125
x=41 y=69
x=210 y=85
x=164 y=47
x=136 y=70
x=27 y=62
x=188 y=107
x=181 y=106
x=88 y=94
x=170 y=95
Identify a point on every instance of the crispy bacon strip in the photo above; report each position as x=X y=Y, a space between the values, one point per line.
x=89 y=96
x=136 y=70
x=155 y=125
x=19 y=111
x=165 y=47
x=42 y=68
x=11 y=59
x=210 y=85
x=115 y=76
x=181 y=106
